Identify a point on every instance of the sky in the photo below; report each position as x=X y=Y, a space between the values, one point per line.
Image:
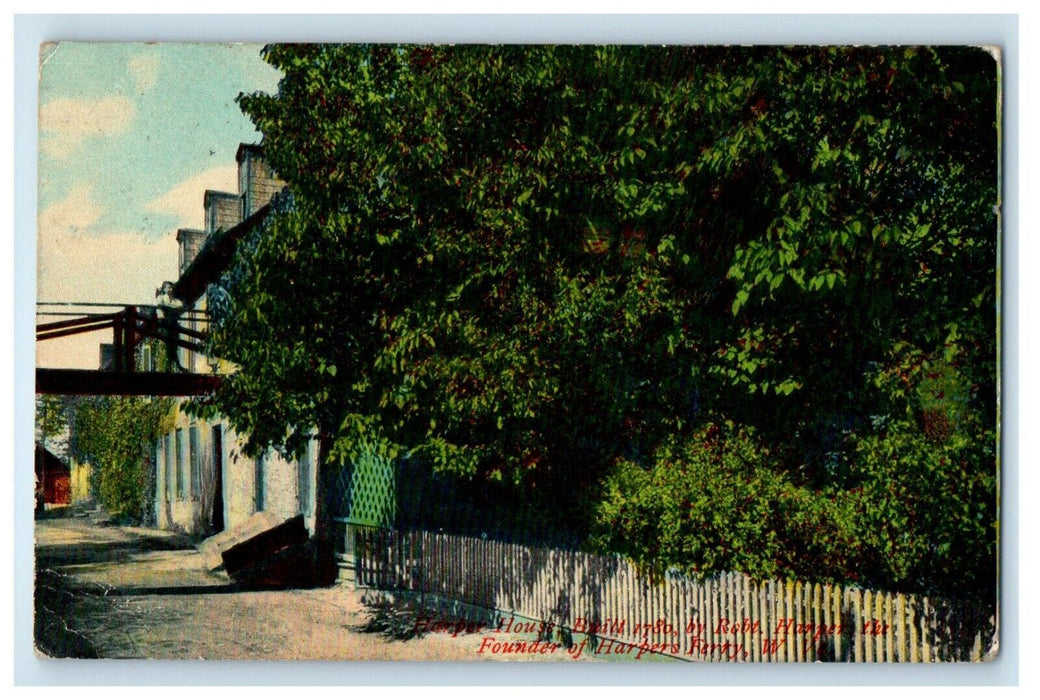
x=130 y=137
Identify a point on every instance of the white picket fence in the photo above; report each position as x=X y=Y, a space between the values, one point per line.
x=728 y=617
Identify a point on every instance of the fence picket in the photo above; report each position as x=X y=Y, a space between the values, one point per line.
x=890 y=629
x=901 y=633
x=747 y=624
x=799 y=633
x=815 y=610
x=829 y=641
x=726 y=616
x=879 y=630
x=789 y=618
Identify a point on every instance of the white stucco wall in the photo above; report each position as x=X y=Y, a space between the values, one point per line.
x=190 y=508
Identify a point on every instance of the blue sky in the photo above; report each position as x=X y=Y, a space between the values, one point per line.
x=171 y=114
x=130 y=137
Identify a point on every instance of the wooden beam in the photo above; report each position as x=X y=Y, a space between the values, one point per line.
x=186 y=344
x=102 y=383
x=73 y=322
x=100 y=325
x=151 y=323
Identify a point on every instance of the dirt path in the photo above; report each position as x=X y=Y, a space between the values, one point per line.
x=120 y=592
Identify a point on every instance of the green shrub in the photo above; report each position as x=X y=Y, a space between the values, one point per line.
x=917 y=515
x=926 y=510
x=717 y=501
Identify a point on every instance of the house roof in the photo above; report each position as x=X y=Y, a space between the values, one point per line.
x=218 y=194
x=214 y=258
x=50 y=462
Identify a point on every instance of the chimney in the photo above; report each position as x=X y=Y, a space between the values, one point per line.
x=189 y=242
x=223 y=211
x=257 y=182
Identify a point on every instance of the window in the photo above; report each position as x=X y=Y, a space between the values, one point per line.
x=171 y=485
x=243 y=184
x=182 y=480
x=258 y=484
x=195 y=453
x=305 y=469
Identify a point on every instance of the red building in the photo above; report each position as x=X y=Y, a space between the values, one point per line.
x=52 y=479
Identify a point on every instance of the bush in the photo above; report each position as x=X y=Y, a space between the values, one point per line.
x=917 y=515
x=716 y=501
x=926 y=510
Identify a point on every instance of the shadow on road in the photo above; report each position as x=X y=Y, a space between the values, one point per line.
x=107 y=551
x=395 y=620
x=179 y=590
x=69 y=605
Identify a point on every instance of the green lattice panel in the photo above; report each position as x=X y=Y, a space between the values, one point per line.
x=367 y=492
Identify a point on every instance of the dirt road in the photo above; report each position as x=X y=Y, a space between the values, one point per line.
x=121 y=592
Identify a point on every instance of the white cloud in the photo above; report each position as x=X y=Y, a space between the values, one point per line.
x=116 y=267
x=72 y=215
x=79 y=264
x=144 y=70
x=122 y=267
x=65 y=122
x=185 y=199
x=75 y=263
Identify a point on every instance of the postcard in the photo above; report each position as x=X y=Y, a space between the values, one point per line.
x=561 y=353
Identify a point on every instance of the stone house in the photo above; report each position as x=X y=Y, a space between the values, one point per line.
x=203 y=481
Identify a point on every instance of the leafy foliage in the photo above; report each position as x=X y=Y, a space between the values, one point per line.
x=115 y=435
x=716 y=502
x=526 y=264
x=926 y=512
x=919 y=517
x=52 y=417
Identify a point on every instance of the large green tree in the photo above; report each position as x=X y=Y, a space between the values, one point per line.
x=527 y=264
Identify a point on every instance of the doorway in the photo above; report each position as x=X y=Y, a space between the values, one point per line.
x=218 y=477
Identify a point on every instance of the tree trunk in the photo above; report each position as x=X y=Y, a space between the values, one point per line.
x=325 y=569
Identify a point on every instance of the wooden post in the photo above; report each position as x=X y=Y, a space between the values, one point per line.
x=856 y=603
x=841 y=634
x=130 y=342
x=816 y=638
x=117 y=343
x=831 y=640
x=866 y=620
x=751 y=608
x=890 y=631
x=911 y=622
x=880 y=627
x=755 y=648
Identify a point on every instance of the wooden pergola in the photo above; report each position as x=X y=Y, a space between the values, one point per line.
x=130 y=326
